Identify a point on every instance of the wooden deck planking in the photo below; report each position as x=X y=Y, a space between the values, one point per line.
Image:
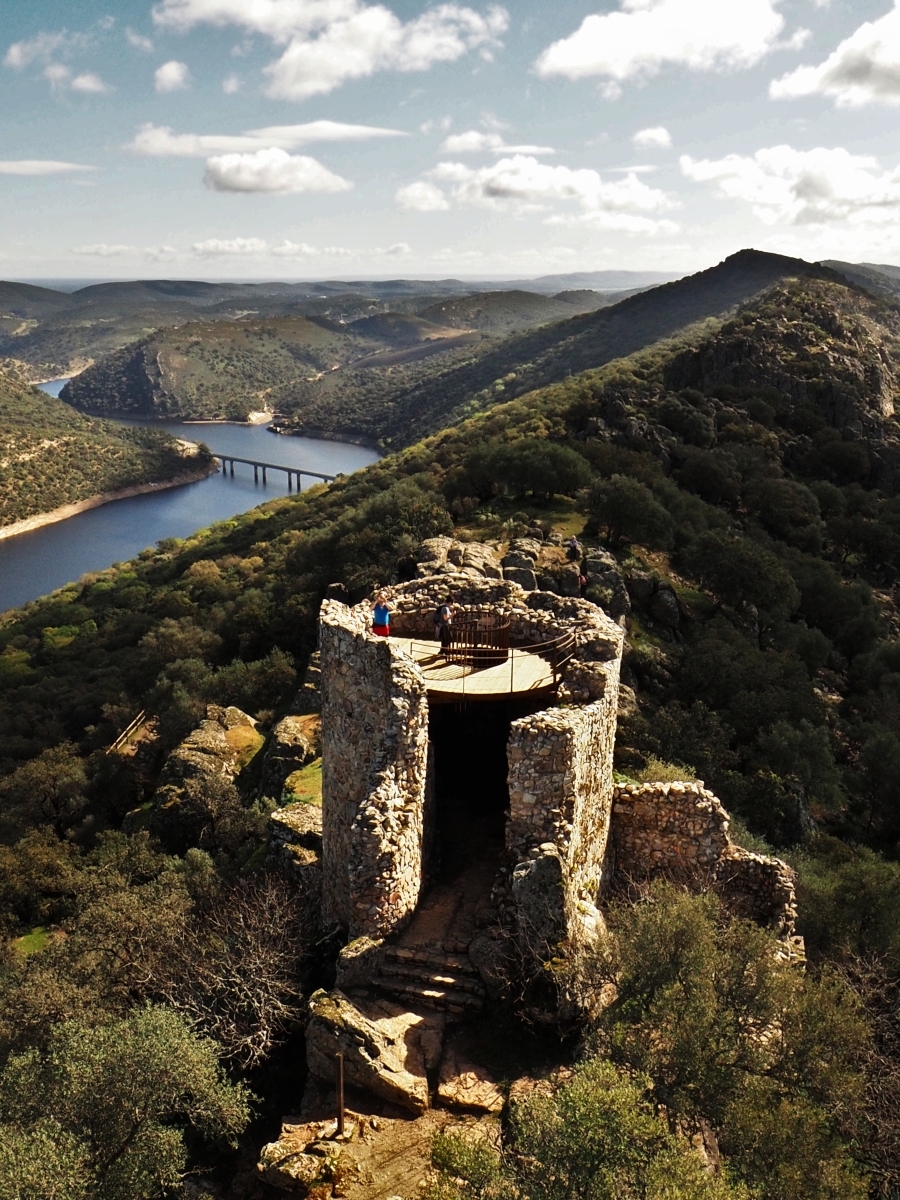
x=529 y=672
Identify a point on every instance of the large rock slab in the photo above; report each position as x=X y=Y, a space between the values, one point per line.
x=302 y=1159
x=386 y=1049
x=464 y=1084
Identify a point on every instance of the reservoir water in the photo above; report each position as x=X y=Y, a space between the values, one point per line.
x=36 y=563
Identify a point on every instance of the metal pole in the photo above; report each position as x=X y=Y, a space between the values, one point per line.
x=340 y=1094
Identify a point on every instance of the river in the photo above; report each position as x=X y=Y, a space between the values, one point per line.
x=36 y=563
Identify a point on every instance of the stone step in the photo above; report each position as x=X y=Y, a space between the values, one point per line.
x=458 y=963
x=400 y=976
x=446 y=999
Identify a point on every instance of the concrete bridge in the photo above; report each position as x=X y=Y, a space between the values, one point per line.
x=228 y=461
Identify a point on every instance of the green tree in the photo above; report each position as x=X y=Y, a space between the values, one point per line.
x=48 y=790
x=108 y=1105
x=599 y=1136
x=730 y=1034
x=740 y=572
x=628 y=511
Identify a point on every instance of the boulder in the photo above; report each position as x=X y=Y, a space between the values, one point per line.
x=301 y=1159
x=641 y=587
x=525 y=578
x=491 y=956
x=563 y=580
x=433 y=551
x=537 y=887
x=463 y=1084
x=483 y=559
x=663 y=606
x=386 y=1049
x=526 y=545
x=295 y=844
x=359 y=963
x=291 y=748
x=517 y=559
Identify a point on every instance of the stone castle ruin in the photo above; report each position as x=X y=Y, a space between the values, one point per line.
x=471 y=831
x=469 y=801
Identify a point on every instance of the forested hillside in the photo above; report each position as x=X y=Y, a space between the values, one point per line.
x=51 y=456
x=227 y=369
x=744 y=475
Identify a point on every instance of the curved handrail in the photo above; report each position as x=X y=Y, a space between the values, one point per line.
x=560 y=650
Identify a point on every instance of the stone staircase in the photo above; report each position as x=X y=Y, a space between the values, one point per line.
x=431 y=976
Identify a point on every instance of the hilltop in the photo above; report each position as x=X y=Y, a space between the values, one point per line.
x=735 y=489
x=51 y=456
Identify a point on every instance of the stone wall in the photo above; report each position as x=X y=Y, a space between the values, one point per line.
x=374 y=776
x=680 y=831
x=560 y=788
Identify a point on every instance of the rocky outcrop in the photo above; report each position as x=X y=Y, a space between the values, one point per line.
x=295 y=843
x=465 y=1085
x=304 y=1157
x=211 y=756
x=291 y=747
x=387 y=1051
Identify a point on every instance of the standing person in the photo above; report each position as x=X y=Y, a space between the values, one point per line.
x=443 y=620
x=573 y=550
x=381 y=617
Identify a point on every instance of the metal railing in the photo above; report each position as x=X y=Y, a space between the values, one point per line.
x=478 y=638
x=557 y=651
x=127 y=732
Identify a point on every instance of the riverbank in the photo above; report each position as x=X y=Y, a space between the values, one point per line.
x=39 y=520
x=327 y=435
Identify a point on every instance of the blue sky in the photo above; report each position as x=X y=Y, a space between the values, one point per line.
x=345 y=138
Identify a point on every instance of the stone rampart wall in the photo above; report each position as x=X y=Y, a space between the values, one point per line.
x=560 y=787
x=680 y=830
x=375 y=786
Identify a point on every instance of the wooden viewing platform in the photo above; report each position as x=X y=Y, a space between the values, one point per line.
x=523 y=672
x=228 y=460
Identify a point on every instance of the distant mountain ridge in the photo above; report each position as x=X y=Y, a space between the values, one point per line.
x=424 y=371
x=550 y=353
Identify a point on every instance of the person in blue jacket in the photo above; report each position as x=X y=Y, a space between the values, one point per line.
x=381 y=617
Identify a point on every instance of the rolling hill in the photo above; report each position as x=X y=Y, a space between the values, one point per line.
x=226 y=369
x=51 y=456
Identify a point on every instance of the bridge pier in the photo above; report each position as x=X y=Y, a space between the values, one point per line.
x=255 y=473
x=232 y=466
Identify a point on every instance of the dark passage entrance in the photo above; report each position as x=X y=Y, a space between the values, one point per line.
x=472 y=797
x=471 y=807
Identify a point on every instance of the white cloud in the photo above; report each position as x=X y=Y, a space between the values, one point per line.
x=260 y=248
x=272 y=171
x=522 y=184
x=160 y=253
x=422 y=196
x=37 y=49
x=642 y=37
x=231 y=86
x=328 y=42
x=160 y=142
x=102 y=250
x=139 y=41
x=90 y=82
x=171 y=76
x=58 y=75
x=474 y=141
x=805 y=187
x=656 y=137
x=233 y=247
x=40 y=166
x=441 y=124
x=865 y=68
